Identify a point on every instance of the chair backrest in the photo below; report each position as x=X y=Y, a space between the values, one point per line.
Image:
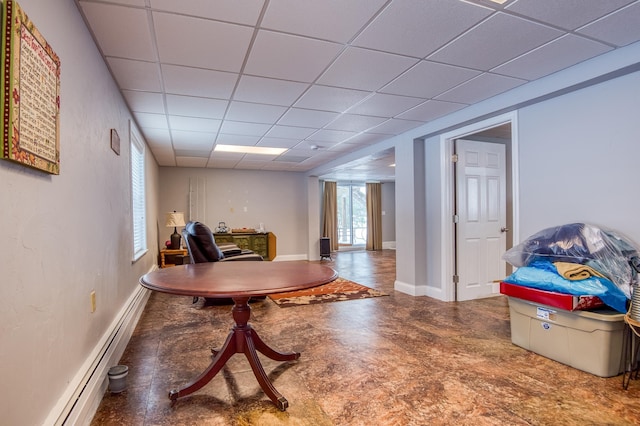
x=200 y=243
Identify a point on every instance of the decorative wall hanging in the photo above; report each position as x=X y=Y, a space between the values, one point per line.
x=115 y=141
x=30 y=97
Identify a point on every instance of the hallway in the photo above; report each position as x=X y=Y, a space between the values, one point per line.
x=396 y=360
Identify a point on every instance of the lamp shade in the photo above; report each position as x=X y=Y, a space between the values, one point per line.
x=175 y=219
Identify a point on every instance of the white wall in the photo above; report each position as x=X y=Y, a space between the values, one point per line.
x=579 y=159
x=243 y=198
x=67 y=235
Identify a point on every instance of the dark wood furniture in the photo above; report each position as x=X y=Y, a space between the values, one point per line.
x=263 y=243
x=239 y=281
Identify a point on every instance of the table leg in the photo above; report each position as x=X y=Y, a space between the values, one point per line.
x=242 y=339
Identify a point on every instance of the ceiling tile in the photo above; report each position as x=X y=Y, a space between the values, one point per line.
x=248 y=129
x=307 y=118
x=255 y=163
x=278 y=142
x=144 y=101
x=334 y=20
x=245 y=140
x=157 y=136
x=136 y=75
x=132 y=40
x=480 y=88
x=331 y=136
x=289 y=132
x=368 y=138
x=224 y=10
x=198 y=82
x=428 y=79
x=396 y=126
x=552 y=57
x=216 y=163
x=220 y=46
x=164 y=159
x=193 y=124
x=289 y=57
x=202 y=153
x=383 y=105
x=187 y=140
x=354 y=123
x=330 y=98
x=257 y=113
x=431 y=110
x=569 y=14
x=365 y=69
x=195 y=106
x=620 y=28
x=268 y=90
x=191 y=161
x=154 y=121
x=507 y=36
x=419 y=27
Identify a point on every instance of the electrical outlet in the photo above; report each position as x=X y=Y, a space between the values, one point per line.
x=93 y=301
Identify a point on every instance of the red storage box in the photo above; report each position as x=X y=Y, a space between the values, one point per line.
x=564 y=301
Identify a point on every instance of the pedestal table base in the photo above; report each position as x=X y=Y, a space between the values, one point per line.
x=242 y=339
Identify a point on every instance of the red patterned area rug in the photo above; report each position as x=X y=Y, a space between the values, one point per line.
x=335 y=291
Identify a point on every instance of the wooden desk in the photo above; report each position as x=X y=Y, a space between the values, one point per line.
x=239 y=281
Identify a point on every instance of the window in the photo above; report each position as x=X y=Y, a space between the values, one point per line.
x=352 y=214
x=138 y=203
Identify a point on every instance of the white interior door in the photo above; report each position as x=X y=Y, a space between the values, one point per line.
x=481 y=214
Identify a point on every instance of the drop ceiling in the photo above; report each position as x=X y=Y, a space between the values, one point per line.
x=327 y=78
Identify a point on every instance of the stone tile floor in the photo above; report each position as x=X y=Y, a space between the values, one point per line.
x=396 y=360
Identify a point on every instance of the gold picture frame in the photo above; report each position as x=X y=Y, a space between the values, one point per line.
x=30 y=95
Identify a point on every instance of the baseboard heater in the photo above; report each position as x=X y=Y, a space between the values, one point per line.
x=79 y=402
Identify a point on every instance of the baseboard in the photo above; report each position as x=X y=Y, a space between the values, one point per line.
x=388 y=245
x=288 y=257
x=409 y=289
x=79 y=403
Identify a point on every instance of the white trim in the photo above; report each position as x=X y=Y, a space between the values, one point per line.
x=447 y=195
x=288 y=257
x=81 y=399
x=410 y=289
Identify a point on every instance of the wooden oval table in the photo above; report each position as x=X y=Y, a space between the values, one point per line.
x=239 y=281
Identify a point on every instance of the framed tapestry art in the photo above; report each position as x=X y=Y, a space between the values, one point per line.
x=30 y=93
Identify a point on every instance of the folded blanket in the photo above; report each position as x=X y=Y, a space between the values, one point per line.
x=576 y=271
x=544 y=276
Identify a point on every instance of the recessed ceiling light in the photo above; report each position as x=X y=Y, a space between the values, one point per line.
x=250 y=149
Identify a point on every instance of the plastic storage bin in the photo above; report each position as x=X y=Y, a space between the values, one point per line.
x=590 y=341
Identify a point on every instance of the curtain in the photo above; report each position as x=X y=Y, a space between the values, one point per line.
x=330 y=216
x=374 y=216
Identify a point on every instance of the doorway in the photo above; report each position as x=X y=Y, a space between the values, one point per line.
x=498 y=130
x=352 y=215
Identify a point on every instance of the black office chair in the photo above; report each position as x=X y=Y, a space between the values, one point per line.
x=202 y=247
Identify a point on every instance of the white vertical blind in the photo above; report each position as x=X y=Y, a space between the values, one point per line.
x=138 y=203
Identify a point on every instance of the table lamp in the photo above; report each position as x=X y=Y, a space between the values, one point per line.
x=175 y=219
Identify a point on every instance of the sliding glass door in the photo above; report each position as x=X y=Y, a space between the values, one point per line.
x=352 y=214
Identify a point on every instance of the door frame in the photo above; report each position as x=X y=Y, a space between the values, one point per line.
x=447 y=200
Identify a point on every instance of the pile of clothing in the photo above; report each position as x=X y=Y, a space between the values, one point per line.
x=578 y=259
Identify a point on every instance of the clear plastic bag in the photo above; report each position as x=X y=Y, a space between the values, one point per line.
x=602 y=250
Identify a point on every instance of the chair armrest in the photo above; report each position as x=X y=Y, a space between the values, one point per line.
x=245 y=256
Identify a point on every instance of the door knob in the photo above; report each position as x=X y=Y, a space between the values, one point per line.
x=503 y=229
